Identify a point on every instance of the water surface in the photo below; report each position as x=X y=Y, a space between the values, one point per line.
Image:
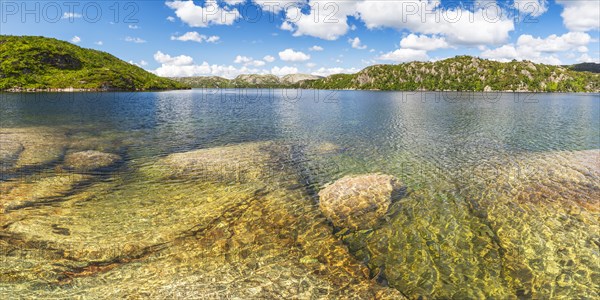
x=502 y=195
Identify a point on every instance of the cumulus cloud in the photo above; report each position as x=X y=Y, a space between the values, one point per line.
x=99 y=43
x=291 y=55
x=285 y=70
x=357 y=44
x=181 y=60
x=580 y=15
x=170 y=19
x=486 y=24
x=248 y=61
x=196 y=37
x=535 y=8
x=75 y=40
x=234 y=2
x=326 y=19
x=275 y=6
x=585 y=58
x=184 y=66
x=203 y=16
x=405 y=55
x=541 y=50
x=316 y=48
x=423 y=42
x=269 y=58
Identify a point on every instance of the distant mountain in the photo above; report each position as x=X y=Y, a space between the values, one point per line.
x=39 y=63
x=463 y=73
x=586 y=67
x=247 y=81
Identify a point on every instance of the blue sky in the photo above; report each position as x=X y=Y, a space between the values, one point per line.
x=232 y=37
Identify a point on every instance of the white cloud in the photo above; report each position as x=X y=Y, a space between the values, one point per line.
x=170 y=19
x=585 y=58
x=131 y=26
x=213 y=39
x=356 y=43
x=540 y=50
x=71 y=16
x=405 y=55
x=284 y=71
x=234 y=2
x=311 y=65
x=75 y=40
x=196 y=37
x=330 y=71
x=99 y=43
x=275 y=6
x=554 y=43
x=328 y=20
x=248 y=61
x=287 y=26
x=203 y=16
x=242 y=59
x=269 y=58
x=316 y=48
x=136 y=40
x=535 y=8
x=181 y=60
x=485 y=25
x=291 y=55
x=141 y=64
x=423 y=42
x=581 y=15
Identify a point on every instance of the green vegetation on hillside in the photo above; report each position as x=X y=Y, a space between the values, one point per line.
x=463 y=73
x=586 y=67
x=38 y=63
x=246 y=81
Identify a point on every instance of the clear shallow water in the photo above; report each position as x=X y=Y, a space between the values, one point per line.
x=502 y=195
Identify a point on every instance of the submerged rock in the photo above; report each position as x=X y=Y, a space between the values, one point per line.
x=90 y=160
x=357 y=202
x=247 y=162
x=325 y=148
x=30 y=146
x=185 y=239
x=23 y=193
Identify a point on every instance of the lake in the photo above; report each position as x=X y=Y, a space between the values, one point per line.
x=213 y=194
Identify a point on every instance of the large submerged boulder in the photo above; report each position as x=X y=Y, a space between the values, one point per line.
x=30 y=147
x=90 y=160
x=358 y=202
x=240 y=163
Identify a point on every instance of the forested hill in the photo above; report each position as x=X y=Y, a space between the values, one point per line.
x=39 y=63
x=463 y=73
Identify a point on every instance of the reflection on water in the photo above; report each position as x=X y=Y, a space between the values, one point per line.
x=214 y=194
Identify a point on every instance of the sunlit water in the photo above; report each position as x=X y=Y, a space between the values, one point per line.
x=501 y=195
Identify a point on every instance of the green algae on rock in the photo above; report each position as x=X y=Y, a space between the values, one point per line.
x=357 y=202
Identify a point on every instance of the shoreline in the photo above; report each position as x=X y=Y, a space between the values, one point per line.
x=82 y=90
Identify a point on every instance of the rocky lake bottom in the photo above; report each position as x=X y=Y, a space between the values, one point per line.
x=101 y=213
